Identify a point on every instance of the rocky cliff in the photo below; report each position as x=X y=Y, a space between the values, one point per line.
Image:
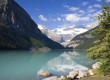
x=19 y=31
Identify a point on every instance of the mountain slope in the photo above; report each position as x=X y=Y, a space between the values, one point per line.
x=19 y=31
x=84 y=40
x=63 y=34
x=50 y=34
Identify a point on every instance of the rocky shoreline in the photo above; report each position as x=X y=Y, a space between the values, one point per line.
x=74 y=74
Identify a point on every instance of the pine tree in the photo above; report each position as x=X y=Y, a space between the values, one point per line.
x=101 y=50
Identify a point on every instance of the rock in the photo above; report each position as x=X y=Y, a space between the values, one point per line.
x=92 y=72
x=46 y=74
x=51 y=78
x=82 y=74
x=73 y=74
x=96 y=65
x=44 y=49
x=68 y=76
x=62 y=78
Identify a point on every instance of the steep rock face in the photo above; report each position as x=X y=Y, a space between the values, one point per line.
x=84 y=40
x=18 y=29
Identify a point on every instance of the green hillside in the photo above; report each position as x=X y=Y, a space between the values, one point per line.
x=85 y=40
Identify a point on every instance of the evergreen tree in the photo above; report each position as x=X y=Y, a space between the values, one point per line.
x=101 y=50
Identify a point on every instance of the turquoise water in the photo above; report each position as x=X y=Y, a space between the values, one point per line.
x=15 y=65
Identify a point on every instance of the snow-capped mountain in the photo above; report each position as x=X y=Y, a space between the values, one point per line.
x=50 y=34
x=62 y=34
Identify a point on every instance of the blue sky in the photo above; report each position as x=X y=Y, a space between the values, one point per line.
x=60 y=13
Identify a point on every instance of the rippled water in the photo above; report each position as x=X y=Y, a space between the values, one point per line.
x=15 y=65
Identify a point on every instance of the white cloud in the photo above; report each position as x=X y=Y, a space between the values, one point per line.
x=42 y=18
x=72 y=17
x=90 y=7
x=73 y=8
x=81 y=11
x=85 y=3
x=76 y=18
x=107 y=0
x=91 y=10
x=66 y=6
x=85 y=19
x=59 y=19
x=97 y=5
x=98 y=0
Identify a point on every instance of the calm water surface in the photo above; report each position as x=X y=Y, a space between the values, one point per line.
x=15 y=65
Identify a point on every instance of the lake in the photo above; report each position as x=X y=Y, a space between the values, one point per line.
x=23 y=65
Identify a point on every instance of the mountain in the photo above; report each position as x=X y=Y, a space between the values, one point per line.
x=19 y=31
x=50 y=34
x=84 y=40
x=62 y=35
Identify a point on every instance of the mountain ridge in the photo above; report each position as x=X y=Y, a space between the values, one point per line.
x=62 y=34
x=19 y=27
x=84 y=40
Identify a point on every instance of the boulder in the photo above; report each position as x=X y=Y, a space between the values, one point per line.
x=62 y=78
x=73 y=74
x=51 y=78
x=82 y=74
x=92 y=72
x=44 y=49
x=96 y=65
x=68 y=76
x=45 y=74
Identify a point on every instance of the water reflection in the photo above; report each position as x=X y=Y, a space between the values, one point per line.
x=67 y=61
x=15 y=65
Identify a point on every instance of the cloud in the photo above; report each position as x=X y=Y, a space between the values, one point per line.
x=97 y=5
x=82 y=11
x=85 y=3
x=107 y=0
x=59 y=19
x=72 y=17
x=42 y=18
x=91 y=10
x=85 y=19
x=76 y=18
x=90 y=7
x=71 y=8
x=98 y=0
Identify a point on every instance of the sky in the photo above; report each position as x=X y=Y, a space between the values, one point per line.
x=63 y=13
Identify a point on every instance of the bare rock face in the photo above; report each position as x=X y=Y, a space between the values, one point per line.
x=51 y=78
x=92 y=72
x=73 y=74
x=82 y=74
x=45 y=74
x=17 y=28
x=96 y=65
